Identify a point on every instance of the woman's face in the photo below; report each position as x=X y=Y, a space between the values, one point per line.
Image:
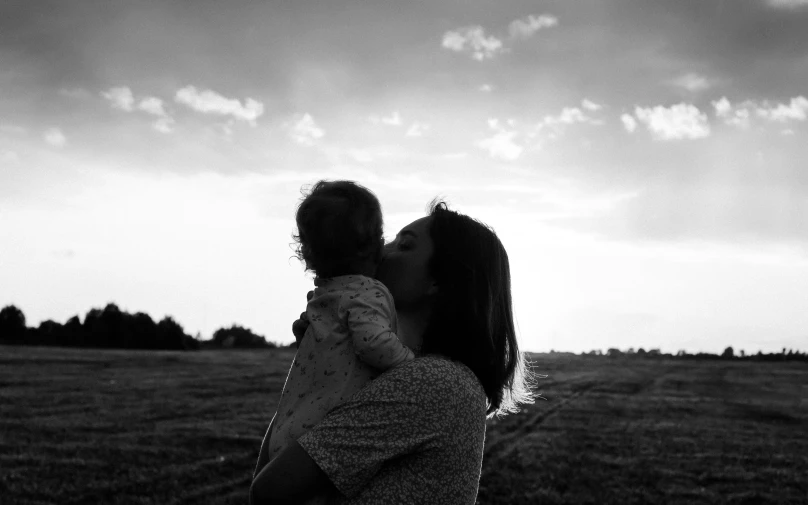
x=405 y=266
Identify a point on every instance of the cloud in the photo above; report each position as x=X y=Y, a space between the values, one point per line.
x=629 y=123
x=526 y=27
x=120 y=98
x=796 y=110
x=486 y=88
x=590 y=105
x=417 y=129
x=472 y=40
x=788 y=4
x=735 y=116
x=692 y=82
x=740 y=115
x=154 y=106
x=210 y=102
x=393 y=119
x=570 y=116
x=677 y=122
x=501 y=144
x=55 y=137
x=305 y=130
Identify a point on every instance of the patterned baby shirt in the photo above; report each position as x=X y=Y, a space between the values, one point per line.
x=350 y=340
x=414 y=435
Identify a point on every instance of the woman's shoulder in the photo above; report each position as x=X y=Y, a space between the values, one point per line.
x=435 y=377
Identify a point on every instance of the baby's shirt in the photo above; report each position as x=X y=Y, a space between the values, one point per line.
x=350 y=340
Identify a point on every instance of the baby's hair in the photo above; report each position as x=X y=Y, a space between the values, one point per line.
x=338 y=224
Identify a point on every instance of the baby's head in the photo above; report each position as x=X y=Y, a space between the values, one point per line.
x=339 y=228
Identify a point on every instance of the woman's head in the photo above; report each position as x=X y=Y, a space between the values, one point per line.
x=457 y=267
x=339 y=225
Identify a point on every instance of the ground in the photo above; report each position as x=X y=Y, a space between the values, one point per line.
x=163 y=427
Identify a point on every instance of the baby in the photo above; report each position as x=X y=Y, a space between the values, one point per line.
x=351 y=338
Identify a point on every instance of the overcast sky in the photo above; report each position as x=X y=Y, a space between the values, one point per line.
x=642 y=161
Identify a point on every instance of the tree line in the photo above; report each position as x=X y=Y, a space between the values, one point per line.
x=114 y=328
x=728 y=354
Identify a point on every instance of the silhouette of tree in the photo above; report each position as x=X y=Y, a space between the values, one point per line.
x=237 y=336
x=728 y=353
x=12 y=323
x=170 y=334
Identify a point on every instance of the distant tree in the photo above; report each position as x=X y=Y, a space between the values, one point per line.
x=73 y=332
x=641 y=352
x=12 y=323
x=728 y=353
x=144 y=330
x=170 y=334
x=50 y=333
x=654 y=352
x=630 y=350
x=743 y=353
x=237 y=336
x=614 y=352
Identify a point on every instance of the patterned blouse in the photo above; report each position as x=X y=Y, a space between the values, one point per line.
x=413 y=435
x=351 y=340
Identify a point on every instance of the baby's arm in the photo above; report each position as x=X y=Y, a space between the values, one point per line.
x=370 y=315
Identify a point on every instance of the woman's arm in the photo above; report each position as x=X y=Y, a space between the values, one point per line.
x=291 y=478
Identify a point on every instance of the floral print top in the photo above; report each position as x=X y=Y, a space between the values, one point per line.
x=414 y=435
x=350 y=340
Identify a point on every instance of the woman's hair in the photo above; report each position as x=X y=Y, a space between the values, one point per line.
x=338 y=224
x=472 y=321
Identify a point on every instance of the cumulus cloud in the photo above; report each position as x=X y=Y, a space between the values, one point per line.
x=501 y=144
x=570 y=116
x=417 y=129
x=740 y=114
x=795 y=110
x=305 y=130
x=526 y=27
x=55 y=137
x=154 y=106
x=120 y=98
x=486 y=88
x=474 y=41
x=735 y=116
x=677 y=122
x=692 y=82
x=629 y=123
x=210 y=102
x=590 y=105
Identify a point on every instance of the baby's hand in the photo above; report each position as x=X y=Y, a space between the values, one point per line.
x=299 y=326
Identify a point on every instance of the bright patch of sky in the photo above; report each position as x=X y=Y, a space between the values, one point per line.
x=640 y=160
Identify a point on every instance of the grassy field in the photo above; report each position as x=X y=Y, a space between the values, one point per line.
x=92 y=426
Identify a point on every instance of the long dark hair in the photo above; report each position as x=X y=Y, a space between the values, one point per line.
x=472 y=321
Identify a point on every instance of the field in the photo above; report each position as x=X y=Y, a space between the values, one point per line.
x=93 y=426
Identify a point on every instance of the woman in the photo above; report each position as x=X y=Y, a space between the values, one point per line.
x=416 y=433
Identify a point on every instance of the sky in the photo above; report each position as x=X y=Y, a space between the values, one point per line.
x=641 y=161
